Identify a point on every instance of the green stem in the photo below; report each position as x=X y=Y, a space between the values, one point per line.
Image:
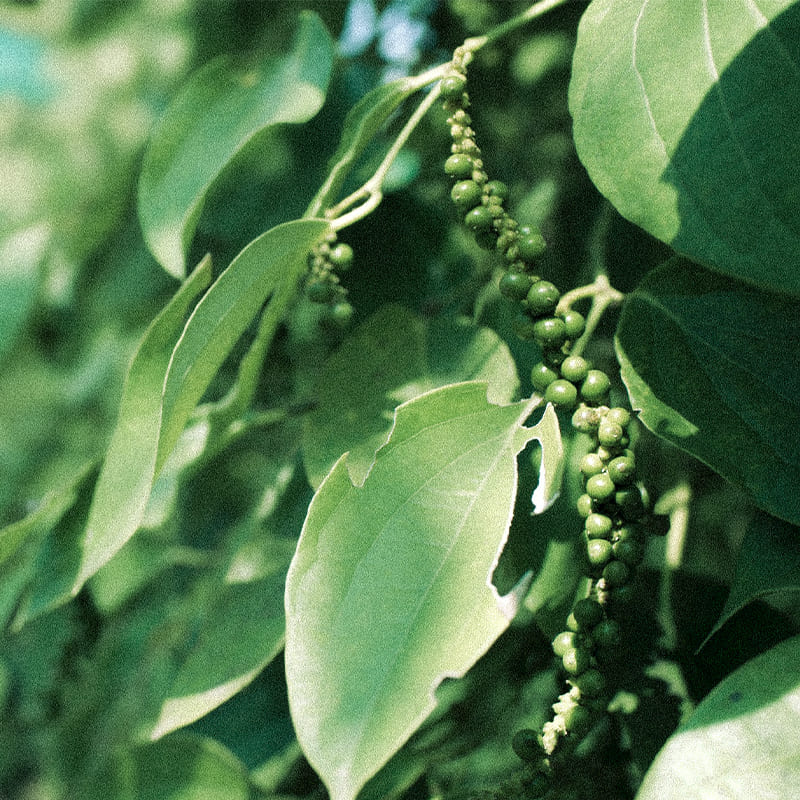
x=536 y=10
x=603 y=295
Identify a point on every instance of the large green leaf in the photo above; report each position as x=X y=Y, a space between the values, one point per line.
x=767 y=569
x=710 y=364
x=270 y=265
x=390 y=590
x=687 y=117
x=389 y=359
x=219 y=111
x=129 y=468
x=742 y=742
x=155 y=408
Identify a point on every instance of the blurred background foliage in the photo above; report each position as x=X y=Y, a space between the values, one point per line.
x=81 y=84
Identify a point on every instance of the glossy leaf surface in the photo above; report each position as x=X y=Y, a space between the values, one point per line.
x=129 y=468
x=768 y=569
x=709 y=363
x=390 y=589
x=686 y=117
x=220 y=110
x=394 y=356
x=742 y=741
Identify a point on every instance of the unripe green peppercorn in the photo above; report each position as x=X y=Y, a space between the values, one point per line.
x=515 y=285
x=591 y=683
x=598 y=526
x=575 y=324
x=497 y=189
x=630 y=503
x=619 y=415
x=531 y=245
x=587 y=612
x=341 y=256
x=585 y=419
x=340 y=314
x=452 y=86
x=591 y=464
x=607 y=633
x=599 y=552
x=621 y=470
x=600 y=487
x=595 y=387
x=542 y=298
x=585 y=505
x=616 y=574
x=542 y=376
x=563 y=642
x=629 y=551
x=575 y=369
x=561 y=393
x=466 y=194
x=458 y=165
x=321 y=291
x=576 y=660
x=479 y=219
x=549 y=332
x=610 y=434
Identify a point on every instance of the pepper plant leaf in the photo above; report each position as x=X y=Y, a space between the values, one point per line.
x=686 y=118
x=390 y=590
x=221 y=109
x=742 y=741
x=706 y=362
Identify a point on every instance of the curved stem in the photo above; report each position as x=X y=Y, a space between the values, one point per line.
x=603 y=295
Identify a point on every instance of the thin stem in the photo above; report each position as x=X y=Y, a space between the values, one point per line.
x=373 y=188
x=603 y=295
x=536 y=10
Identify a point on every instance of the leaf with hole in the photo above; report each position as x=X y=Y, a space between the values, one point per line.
x=390 y=590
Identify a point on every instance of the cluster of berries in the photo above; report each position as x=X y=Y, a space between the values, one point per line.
x=613 y=506
x=323 y=286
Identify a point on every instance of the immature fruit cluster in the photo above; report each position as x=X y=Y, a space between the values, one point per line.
x=325 y=261
x=612 y=505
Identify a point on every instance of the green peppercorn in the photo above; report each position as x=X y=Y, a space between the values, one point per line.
x=629 y=551
x=497 y=189
x=340 y=314
x=599 y=552
x=585 y=505
x=630 y=502
x=600 y=487
x=531 y=244
x=585 y=419
x=576 y=660
x=598 y=526
x=577 y=719
x=341 y=256
x=563 y=642
x=575 y=324
x=515 y=285
x=543 y=298
x=575 y=369
x=596 y=386
x=452 y=86
x=621 y=470
x=607 y=633
x=610 y=434
x=466 y=194
x=458 y=165
x=591 y=683
x=549 y=332
x=619 y=415
x=561 y=393
x=587 y=612
x=542 y=376
x=616 y=573
x=479 y=219
x=591 y=464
